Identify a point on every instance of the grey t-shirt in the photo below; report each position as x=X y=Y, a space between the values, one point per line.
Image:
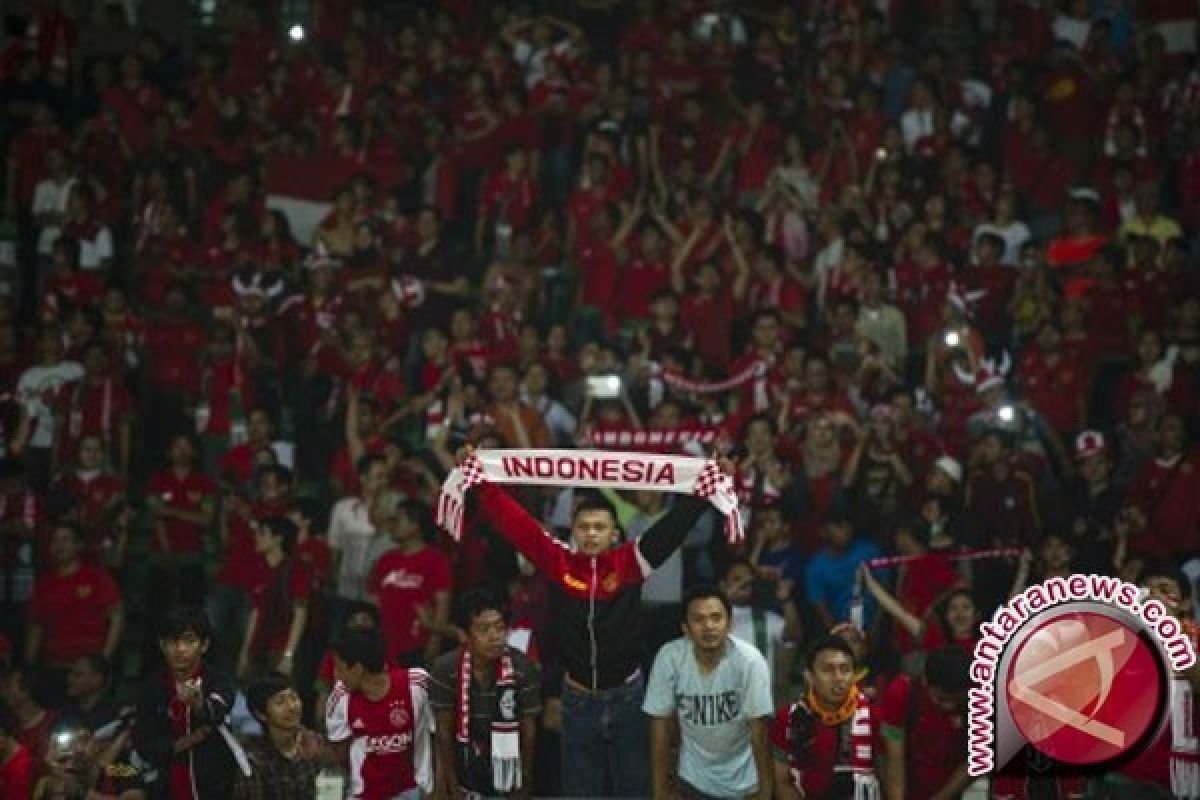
x=714 y=712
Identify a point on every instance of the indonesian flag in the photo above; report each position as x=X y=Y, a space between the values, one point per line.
x=303 y=188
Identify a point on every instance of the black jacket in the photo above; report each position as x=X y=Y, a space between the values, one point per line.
x=596 y=600
x=211 y=761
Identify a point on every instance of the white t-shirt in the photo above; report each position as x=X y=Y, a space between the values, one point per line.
x=351 y=533
x=743 y=628
x=93 y=252
x=50 y=197
x=1015 y=234
x=714 y=712
x=37 y=390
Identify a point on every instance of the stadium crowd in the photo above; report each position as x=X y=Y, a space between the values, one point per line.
x=921 y=274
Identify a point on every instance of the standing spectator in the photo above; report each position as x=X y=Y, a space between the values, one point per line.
x=410 y=583
x=351 y=533
x=487 y=699
x=383 y=712
x=181 y=502
x=604 y=739
x=180 y=726
x=519 y=424
x=717 y=689
x=96 y=404
x=752 y=622
x=824 y=742
x=280 y=611
x=75 y=611
x=286 y=759
x=829 y=577
x=37 y=390
x=924 y=731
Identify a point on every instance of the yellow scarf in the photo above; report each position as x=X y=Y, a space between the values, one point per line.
x=840 y=714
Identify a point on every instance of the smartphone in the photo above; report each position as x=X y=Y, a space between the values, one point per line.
x=604 y=387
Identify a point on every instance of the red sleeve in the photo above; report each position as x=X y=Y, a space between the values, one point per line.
x=301 y=583
x=440 y=579
x=108 y=593
x=521 y=530
x=893 y=708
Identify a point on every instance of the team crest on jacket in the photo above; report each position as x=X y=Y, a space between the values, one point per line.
x=610 y=582
x=398 y=717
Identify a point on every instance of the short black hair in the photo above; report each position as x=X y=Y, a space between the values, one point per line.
x=477 y=601
x=284 y=528
x=366 y=647
x=361 y=607
x=263 y=689
x=1165 y=569
x=593 y=501
x=706 y=592
x=948 y=668
x=828 y=641
x=185 y=619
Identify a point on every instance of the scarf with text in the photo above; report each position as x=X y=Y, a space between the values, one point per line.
x=505 y=744
x=596 y=469
x=682 y=383
x=653 y=440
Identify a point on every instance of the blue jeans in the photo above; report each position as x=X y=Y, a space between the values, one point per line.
x=605 y=742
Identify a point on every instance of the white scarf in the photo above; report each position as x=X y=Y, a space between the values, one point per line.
x=598 y=469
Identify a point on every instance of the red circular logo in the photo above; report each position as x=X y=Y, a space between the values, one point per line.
x=1084 y=688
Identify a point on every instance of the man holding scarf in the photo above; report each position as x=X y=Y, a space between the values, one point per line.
x=824 y=742
x=486 y=697
x=596 y=587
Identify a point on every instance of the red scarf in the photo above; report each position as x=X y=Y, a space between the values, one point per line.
x=505 y=744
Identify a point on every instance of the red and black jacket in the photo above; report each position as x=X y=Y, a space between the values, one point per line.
x=597 y=601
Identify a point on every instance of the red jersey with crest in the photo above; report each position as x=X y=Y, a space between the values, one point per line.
x=390 y=748
x=73 y=611
x=404 y=582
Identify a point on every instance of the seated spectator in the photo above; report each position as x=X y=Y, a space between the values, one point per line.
x=89 y=697
x=285 y=760
x=81 y=764
x=31 y=722
x=17 y=768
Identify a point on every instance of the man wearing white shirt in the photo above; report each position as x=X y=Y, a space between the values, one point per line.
x=717 y=689
x=50 y=201
x=37 y=391
x=351 y=535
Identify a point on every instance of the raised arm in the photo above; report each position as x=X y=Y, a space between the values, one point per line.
x=522 y=531
x=666 y=536
x=907 y=620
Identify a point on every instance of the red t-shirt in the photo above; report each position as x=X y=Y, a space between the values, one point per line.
x=275 y=620
x=1167 y=496
x=403 y=582
x=812 y=767
x=937 y=742
x=186 y=493
x=924 y=581
x=389 y=749
x=92 y=409
x=16 y=775
x=1055 y=390
x=73 y=611
x=96 y=497
x=174 y=348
